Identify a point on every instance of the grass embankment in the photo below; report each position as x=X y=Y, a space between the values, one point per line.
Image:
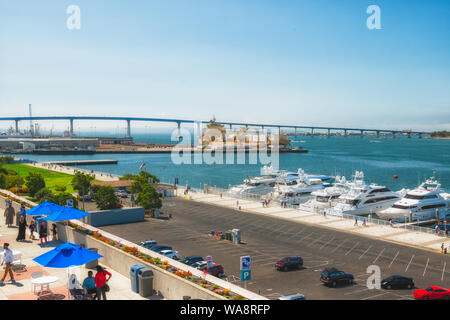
x=52 y=178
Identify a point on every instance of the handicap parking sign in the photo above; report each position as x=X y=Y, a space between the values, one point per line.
x=69 y=203
x=245 y=263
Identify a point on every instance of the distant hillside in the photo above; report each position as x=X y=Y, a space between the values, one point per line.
x=440 y=134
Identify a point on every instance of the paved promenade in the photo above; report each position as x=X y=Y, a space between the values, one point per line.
x=101 y=176
x=429 y=241
x=22 y=289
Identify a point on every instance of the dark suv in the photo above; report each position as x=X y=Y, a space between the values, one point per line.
x=160 y=247
x=397 y=282
x=190 y=260
x=286 y=263
x=333 y=276
x=216 y=270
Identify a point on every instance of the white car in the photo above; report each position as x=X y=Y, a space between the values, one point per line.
x=295 y=296
x=171 y=254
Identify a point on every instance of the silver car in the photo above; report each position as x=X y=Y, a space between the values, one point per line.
x=295 y=296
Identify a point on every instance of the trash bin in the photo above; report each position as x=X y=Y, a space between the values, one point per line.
x=212 y=232
x=145 y=276
x=92 y=264
x=134 y=277
x=237 y=233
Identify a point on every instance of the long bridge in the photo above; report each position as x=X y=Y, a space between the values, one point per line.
x=128 y=121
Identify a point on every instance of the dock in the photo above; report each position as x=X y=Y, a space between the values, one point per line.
x=83 y=162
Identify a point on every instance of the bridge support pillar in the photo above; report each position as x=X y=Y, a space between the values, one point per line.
x=17 y=126
x=378 y=134
x=179 y=131
x=312 y=132
x=345 y=133
x=362 y=134
x=393 y=135
x=128 y=128
x=71 y=128
x=329 y=133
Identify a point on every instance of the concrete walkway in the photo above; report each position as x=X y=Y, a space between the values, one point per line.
x=429 y=241
x=22 y=290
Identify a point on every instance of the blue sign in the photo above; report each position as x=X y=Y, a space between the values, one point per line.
x=69 y=203
x=245 y=263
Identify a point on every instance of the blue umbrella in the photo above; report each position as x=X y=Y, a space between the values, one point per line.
x=67 y=255
x=66 y=213
x=43 y=209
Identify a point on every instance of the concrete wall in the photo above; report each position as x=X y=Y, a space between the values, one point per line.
x=116 y=216
x=165 y=283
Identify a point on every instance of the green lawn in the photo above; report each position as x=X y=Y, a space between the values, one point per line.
x=52 y=178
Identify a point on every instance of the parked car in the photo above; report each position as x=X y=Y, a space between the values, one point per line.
x=148 y=244
x=295 y=296
x=397 y=282
x=293 y=262
x=216 y=270
x=170 y=254
x=333 y=276
x=160 y=247
x=199 y=264
x=432 y=293
x=190 y=260
x=122 y=194
x=87 y=197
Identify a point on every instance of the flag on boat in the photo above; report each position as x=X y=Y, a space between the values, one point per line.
x=142 y=166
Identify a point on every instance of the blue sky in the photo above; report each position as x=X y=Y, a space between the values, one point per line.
x=311 y=62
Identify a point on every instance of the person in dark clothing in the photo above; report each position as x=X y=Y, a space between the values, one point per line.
x=22 y=229
x=54 y=232
x=32 y=227
x=43 y=232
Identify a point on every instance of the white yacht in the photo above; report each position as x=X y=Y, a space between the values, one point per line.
x=363 y=198
x=294 y=192
x=420 y=204
x=258 y=185
x=326 y=198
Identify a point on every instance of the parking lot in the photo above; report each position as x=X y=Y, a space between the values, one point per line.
x=267 y=239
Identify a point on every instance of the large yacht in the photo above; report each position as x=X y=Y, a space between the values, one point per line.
x=326 y=198
x=420 y=204
x=363 y=198
x=257 y=185
x=294 y=192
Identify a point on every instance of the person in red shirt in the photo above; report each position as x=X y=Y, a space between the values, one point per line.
x=100 y=282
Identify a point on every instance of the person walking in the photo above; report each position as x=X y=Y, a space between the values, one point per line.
x=23 y=211
x=54 y=232
x=356 y=222
x=101 y=282
x=8 y=259
x=43 y=232
x=9 y=214
x=32 y=227
x=22 y=229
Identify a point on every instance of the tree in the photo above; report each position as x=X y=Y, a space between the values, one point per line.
x=34 y=183
x=82 y=182
x=61 y=188
x=44 y=195
x=105 y=197
x=127 y=176
x=149 y=198
x=13 y=181
x=2 y=181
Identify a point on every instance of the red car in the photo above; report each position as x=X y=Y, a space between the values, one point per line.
x=432 y=293
x=216 y=270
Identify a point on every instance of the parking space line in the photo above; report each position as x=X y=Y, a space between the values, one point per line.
x=317 y=239
x=353 y=292
x=379 y=255
x=352 y=248
x=443 y=271
x=293 y=236
x=393 y=260
x=409 y=263
x=338 y=246
x=306 y=237
x=375 y=296
x=326 y=243
x=425 y=267
x=364 y=252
